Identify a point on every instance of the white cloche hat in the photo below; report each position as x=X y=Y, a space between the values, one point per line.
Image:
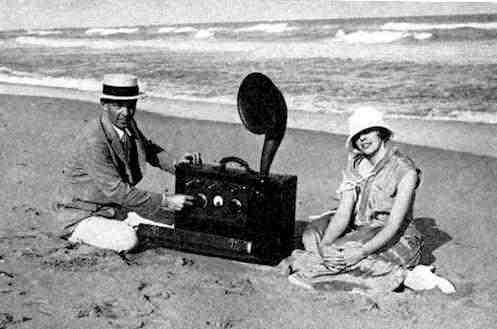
x=364 y=118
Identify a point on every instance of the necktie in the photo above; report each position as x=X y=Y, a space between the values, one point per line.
x=126 y=142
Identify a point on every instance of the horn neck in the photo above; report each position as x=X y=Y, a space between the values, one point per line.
x=272 y=141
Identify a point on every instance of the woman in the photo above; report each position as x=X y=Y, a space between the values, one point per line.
x=370 y=240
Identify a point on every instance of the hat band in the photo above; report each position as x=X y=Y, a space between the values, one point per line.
x=120 y=91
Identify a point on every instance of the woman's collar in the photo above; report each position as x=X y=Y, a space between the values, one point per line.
x=359 y=157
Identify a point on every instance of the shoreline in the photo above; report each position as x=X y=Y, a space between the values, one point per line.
x=470 y=137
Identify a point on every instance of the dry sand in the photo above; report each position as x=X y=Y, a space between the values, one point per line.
x=46 y=283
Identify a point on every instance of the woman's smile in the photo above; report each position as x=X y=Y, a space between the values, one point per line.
x=369 y=142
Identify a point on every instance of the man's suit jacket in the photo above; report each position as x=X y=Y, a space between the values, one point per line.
x=100 y=179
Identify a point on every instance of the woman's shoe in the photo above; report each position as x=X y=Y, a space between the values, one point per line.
x=423 y=278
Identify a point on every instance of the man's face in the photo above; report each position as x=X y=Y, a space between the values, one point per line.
x=120 y=112
x=368 y=141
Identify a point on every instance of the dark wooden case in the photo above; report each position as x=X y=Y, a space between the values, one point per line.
x=237 y=213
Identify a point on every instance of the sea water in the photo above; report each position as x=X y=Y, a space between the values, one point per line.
x=434 y=68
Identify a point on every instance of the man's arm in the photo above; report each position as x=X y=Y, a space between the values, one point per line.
x=104 y=174
x=158 y=157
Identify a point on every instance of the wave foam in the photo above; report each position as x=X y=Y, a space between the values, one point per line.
x=68 y=43
x=90 y=43
x=268 y=28
x=110 y=31
x=204 y=34
x=6 y=70
x=228 y=100
x=395 y=26
x=372 y=37
x=186 y=29
x=193 y=45
x=26 y=78
x=468 y=116
x=177 y=30
x=43 y=32
x=300 y=103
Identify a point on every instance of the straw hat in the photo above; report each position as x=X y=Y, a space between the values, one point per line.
x=120 y=87
x=364 y=118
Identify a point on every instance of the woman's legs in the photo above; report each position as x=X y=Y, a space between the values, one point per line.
x=313 y=233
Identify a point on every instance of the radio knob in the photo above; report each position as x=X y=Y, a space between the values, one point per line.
x=218 y=201
x=235 y=206
x=201 y=200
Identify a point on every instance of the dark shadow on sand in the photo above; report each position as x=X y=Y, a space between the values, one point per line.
x=433 y=238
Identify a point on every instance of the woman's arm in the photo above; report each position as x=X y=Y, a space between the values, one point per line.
x=405 y=193
x=339 y=222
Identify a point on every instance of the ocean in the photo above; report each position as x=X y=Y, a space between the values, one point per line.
x=433 y=68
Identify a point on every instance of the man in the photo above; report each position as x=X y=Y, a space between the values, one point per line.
x=98 y=189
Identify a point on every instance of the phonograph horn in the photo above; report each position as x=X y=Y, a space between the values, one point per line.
x=263 y=110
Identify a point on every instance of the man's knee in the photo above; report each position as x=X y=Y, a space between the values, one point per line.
x=105 y=233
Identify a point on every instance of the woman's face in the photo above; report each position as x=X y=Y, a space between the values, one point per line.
x=369 y=141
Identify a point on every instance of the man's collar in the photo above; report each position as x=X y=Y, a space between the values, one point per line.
x=120 y=132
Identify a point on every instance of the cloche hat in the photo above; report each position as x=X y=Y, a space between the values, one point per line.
x=364 y=118
x=120 y=87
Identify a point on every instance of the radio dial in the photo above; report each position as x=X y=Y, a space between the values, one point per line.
x=235 y=206
x=218 y=201
x=201 y=200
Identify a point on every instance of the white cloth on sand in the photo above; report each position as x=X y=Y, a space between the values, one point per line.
x=110 y=233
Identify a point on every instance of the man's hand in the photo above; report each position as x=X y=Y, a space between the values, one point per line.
x=193 y=158
x=177 y=202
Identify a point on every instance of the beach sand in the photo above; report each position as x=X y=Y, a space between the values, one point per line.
x=47 y=283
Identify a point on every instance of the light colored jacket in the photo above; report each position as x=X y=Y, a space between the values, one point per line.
x=99 y=179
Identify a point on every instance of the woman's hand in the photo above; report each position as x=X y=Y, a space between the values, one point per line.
x=333 y=257
x=353 y=254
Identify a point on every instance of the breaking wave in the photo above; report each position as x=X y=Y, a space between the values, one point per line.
x=43 y=32
x=106 y=44
x=172 y=29
x=111 y=31
x=309 y=103
x=26 y=78
x=371 y=37
x=268 y=28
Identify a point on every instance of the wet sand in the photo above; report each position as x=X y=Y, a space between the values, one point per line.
x=47 y=283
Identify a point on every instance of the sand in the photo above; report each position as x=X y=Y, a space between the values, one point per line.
x=47 y=283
